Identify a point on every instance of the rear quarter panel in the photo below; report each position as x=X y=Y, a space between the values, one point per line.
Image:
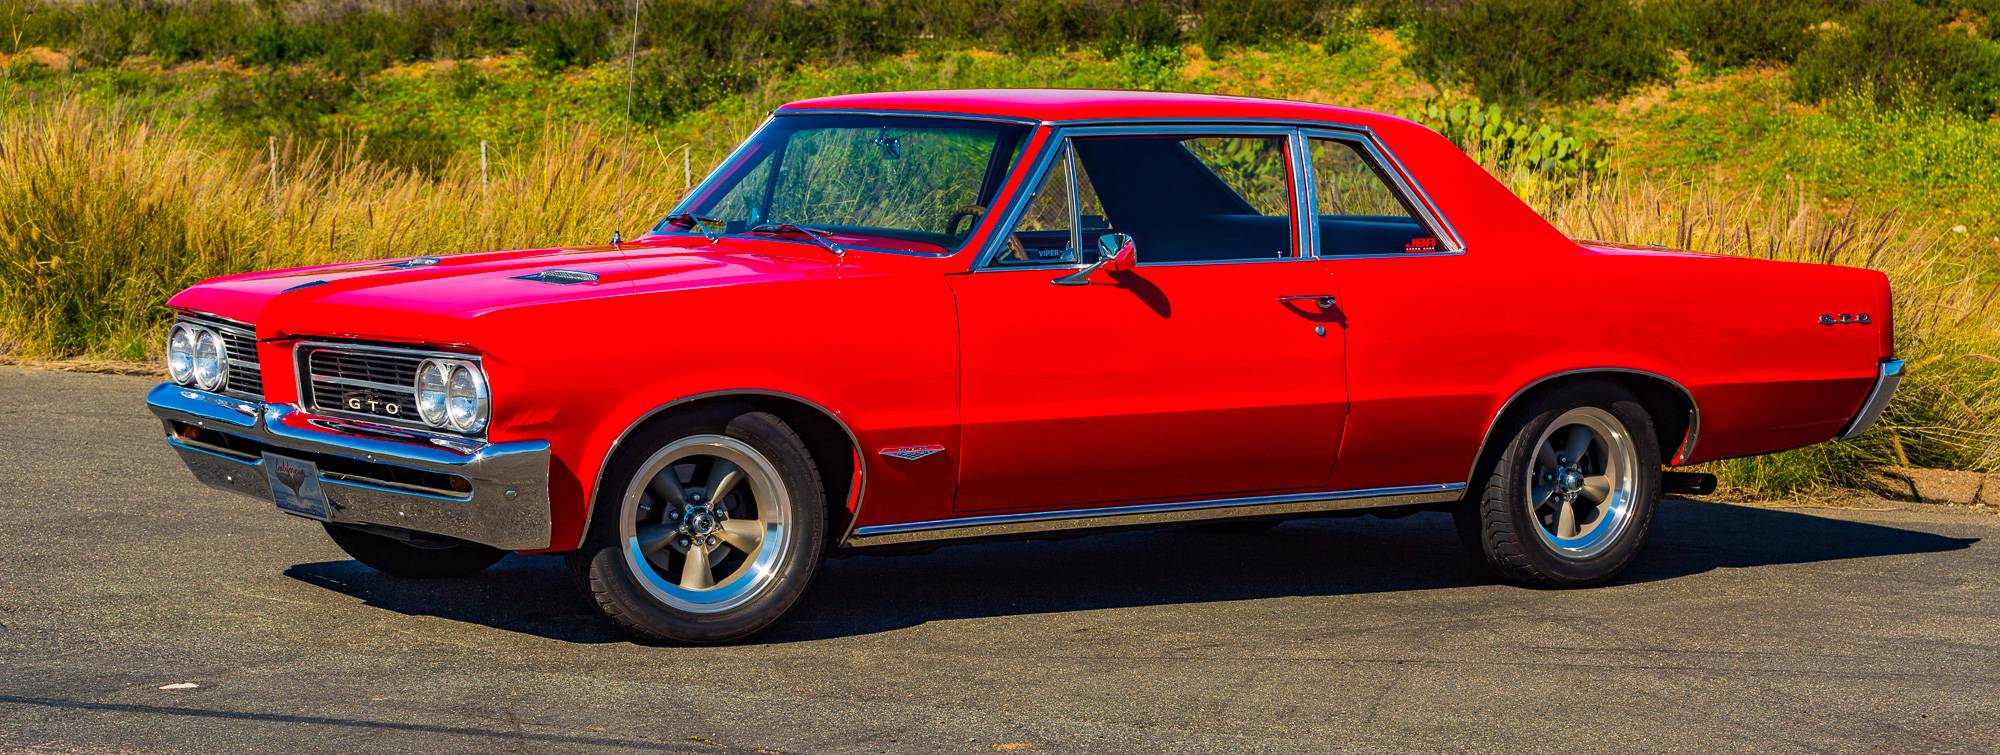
x=1437 y=345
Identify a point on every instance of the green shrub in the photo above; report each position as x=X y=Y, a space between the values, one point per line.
x=1731 y=33
x=569 y=42
x=1901 y=53
x=1524 y=51
x=1236 y=23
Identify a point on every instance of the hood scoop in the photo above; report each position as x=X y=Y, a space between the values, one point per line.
x=414 y=262
x=560 y=276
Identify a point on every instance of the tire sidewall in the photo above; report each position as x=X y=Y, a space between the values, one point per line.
x=1508 y=497
x=620 y=595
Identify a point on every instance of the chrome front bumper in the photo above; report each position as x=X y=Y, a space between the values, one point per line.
x=491 y=493
x=1887 y=377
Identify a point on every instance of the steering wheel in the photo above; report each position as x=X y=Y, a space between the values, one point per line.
x=968 y=211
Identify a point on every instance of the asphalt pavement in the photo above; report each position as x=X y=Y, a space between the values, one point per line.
x=140 y=611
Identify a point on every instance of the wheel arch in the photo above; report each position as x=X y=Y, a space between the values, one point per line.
x=1675 y=414
x=833 y=444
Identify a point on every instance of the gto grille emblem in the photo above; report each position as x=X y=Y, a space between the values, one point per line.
x=373 y=405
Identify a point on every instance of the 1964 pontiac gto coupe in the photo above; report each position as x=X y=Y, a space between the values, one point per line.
x=896 y=318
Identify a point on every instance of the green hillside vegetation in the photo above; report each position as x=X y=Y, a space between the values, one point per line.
x=147 y=145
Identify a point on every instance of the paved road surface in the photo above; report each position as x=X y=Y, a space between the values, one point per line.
x=1741 y=629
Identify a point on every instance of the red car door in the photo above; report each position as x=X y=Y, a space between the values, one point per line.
x=1212 y=369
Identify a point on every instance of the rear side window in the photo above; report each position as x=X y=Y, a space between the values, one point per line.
x=1359 y=211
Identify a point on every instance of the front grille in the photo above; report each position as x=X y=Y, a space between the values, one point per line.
x=246 y=378
x=369 y=382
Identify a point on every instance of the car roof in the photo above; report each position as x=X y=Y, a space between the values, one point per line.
x=1091 y=104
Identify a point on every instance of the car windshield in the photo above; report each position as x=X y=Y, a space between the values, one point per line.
x=876 y=183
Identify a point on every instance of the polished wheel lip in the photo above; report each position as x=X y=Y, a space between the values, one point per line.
x=1604 y=480
x=760 y=569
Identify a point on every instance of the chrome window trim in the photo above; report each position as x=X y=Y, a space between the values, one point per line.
x=1390 y=160
x=983 y=261
x=1888 y=377
x=604 y=462
x=1399 y=184
x=1152 y=513
x=1685 y=451
x=302 y=377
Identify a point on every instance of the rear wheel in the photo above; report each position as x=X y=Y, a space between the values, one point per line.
x=1570 y=498
x=713 y=534
x=417 y=559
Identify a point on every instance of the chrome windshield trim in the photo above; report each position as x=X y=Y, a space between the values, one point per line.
x=994 y=525
x=1888 y=376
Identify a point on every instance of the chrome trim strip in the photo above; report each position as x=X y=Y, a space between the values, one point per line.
x=1687 y=446
x=508 y=507
x=1888 y=377
x=604 y=462
x=1153 y=513
x=1365 y=132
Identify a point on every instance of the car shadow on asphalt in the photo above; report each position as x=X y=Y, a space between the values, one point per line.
x=1314 y=557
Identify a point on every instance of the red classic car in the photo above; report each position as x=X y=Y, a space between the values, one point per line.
x=897 y=318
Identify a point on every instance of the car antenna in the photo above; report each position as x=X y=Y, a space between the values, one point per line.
x=625 y=146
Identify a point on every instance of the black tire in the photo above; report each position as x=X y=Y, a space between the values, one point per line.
x=1498 y=527
x=602 y=568
x=413 y=559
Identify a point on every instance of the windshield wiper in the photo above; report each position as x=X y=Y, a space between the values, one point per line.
x=822 y=237
x=691 y=220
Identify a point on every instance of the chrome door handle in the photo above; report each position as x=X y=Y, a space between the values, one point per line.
x=1323 y=301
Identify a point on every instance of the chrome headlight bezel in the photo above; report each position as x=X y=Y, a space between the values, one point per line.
x=452 y=394
x=180 y=353
x=210 y=349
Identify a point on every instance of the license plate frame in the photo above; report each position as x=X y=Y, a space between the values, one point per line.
x=295 y=487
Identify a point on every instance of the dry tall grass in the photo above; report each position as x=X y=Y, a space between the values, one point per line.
x=1947 y=413
x=102 y=217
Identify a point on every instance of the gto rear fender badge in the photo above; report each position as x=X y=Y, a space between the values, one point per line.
x=911 y=453
x=1845 y=318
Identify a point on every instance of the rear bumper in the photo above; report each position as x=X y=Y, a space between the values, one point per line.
x=1887 y=378
x=495 y=494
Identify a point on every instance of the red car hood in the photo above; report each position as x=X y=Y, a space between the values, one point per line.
x=380 y=300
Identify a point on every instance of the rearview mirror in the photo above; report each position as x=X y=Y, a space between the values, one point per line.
x=1116 y=253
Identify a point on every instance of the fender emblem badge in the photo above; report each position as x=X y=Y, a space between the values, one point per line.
x=1845 y=318
x=911 y=453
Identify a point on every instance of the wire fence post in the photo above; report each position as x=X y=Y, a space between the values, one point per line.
x=687 y=168
x=482 y=171
x=271 y=144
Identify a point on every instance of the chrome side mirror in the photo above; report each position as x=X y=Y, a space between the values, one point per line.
x=1116 y=253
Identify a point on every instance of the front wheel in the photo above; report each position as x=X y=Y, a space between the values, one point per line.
x=1569 y=500
x=714 y=533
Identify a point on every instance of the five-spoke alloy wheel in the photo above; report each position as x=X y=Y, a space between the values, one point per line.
x=1569 y=498
x=709 y=527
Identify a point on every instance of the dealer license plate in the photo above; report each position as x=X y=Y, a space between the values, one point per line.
x=295 y=487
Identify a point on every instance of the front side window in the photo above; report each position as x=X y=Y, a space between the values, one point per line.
x=1181 y=198
x=1359 y=212
x=882 y=183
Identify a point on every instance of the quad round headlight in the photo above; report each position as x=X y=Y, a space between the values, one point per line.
x=452 y=394
x=180 y=354
x=211 y=360
x=432 y=378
